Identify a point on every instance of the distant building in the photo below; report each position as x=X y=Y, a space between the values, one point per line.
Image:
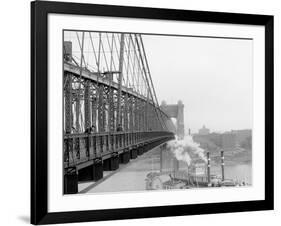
x=229 y=140
x=203 y=131
x=209 y=141
x=242 y=134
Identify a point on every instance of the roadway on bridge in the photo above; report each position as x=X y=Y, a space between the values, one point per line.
x=129 y=177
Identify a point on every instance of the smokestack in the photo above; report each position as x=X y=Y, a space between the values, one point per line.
x=209 y=168
x=161 y=158
x=176 y=165
x=222 y=166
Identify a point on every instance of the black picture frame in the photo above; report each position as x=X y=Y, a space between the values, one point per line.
x=39 y=111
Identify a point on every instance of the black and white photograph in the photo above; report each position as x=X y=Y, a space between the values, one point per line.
x=146 y=112
x=140 y=112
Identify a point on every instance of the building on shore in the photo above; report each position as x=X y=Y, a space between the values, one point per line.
x=226 y=140
x=242 y=134
x=204 y=131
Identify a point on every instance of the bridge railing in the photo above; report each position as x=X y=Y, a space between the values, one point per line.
x=83 y=147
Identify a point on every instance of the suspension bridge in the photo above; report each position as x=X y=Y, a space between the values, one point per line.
x=111 y=111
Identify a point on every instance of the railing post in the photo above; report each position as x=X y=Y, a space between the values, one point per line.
x=66 y=150
x=88 y=145
x=77 y=147
x=95 y=146
x=114 y=141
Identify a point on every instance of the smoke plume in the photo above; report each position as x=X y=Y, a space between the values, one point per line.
x=182 y=148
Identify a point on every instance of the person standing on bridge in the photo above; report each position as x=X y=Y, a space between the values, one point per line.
x=119 y=128
x=88 y=130
x=93 y=129
x=73 y=129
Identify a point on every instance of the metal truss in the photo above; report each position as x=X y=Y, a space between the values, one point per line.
x=108 y=92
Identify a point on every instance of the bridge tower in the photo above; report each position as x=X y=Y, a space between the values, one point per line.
x=175 y=111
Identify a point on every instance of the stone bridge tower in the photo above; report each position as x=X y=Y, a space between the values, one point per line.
x=175 y=111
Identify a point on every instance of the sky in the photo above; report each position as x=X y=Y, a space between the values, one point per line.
x=212 y=77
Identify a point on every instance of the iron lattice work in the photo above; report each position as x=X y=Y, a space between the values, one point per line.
x=109 y=99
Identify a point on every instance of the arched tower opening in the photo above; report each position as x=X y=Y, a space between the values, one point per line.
x=175 y=111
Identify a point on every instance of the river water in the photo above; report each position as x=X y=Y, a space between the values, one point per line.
x=239 y=173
